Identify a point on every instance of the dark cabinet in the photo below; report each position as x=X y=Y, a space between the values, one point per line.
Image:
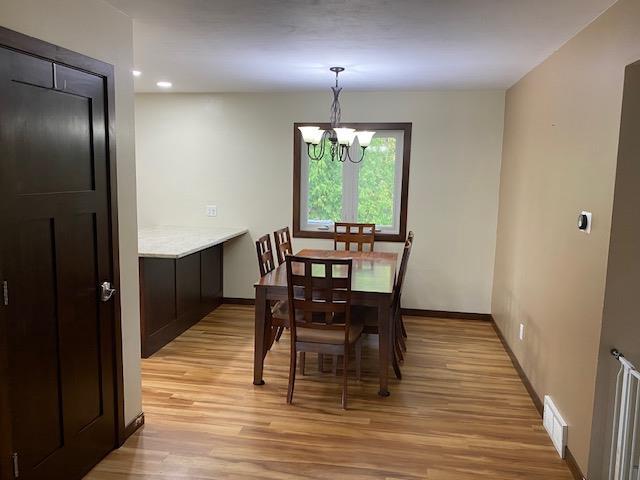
x=211 y=274
x=176 y=293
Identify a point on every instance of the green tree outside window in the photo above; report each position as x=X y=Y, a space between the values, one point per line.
x=376 y=182
x=375 y=187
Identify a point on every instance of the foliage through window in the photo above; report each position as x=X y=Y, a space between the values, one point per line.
x=373 y=191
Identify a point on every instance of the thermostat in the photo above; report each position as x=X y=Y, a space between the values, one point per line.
x=584 y=222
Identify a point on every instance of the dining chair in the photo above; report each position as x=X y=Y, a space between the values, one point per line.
x=358 y=234
x=370 y=316
x=278 y=311
x=319 y=292
x=396 y=305
x=284 y=247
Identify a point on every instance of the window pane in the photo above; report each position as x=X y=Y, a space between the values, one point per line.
x=325 y=189
x=376 y=182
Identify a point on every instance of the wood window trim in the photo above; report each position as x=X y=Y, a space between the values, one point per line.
x=404 y=191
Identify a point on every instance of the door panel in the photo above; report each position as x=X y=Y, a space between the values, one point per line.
x=57 y=250
x=61 y=161
x=211 y=268
x=187 y=283
x=28 y=69
x=34 y=343
x=159 y=275
x=80 y=365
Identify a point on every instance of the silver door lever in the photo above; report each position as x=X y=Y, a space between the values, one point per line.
x=106 y=292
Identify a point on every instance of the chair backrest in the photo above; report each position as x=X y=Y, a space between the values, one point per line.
x=359 y=234
x=264 y=250
x=282 y=238
x=403 y=268
x=319 y=292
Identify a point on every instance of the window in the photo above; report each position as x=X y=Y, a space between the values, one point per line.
x=372 y=191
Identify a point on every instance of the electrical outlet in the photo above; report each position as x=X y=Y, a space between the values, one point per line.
x=522 y=331
x=212 y=211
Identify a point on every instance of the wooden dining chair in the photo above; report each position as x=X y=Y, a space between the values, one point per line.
x=396 y=305
x=319 y=292
x=278 y=312
x=264 y=249
x=358 y=234
x=370 y=315
x=284 y=247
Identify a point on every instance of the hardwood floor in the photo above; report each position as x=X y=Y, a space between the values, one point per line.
x=460 y=412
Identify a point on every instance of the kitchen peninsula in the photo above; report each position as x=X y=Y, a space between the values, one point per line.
x=180 y=279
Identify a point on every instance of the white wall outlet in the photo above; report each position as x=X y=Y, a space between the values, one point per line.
x=521 y=334
x=212 y=211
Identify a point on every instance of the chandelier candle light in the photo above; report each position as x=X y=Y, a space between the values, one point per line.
x=341 y=138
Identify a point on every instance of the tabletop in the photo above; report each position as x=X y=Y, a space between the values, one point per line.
x=176 y=242
x=373 y=272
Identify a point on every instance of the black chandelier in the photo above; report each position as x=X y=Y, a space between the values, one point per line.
x=340 y=138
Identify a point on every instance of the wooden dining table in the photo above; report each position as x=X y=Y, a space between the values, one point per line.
x=373 y=280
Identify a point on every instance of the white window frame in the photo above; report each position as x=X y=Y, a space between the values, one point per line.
x=350 y=176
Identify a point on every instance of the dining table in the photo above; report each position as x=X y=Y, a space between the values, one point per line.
x=372 y=285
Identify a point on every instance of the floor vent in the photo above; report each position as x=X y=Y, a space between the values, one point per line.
x=555 y=425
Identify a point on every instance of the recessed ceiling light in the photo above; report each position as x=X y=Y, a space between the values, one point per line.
x=136 y=73
x=164 y=84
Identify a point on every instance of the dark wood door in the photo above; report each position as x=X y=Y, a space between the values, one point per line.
x=54 y=212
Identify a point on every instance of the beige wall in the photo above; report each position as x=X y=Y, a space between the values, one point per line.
x=620 y=325
x=235 y=151
x=559 y=157
x=94 y=28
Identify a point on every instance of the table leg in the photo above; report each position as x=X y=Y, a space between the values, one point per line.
x=260 y=329
x=384 y=348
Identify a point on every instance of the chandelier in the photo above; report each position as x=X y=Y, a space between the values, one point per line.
x=340 y=138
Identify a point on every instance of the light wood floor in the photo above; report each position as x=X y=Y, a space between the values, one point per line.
x=460 y=412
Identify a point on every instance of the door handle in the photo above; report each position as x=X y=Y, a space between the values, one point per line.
x=106 y=292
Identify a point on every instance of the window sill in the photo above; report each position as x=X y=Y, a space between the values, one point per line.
x=328 y=234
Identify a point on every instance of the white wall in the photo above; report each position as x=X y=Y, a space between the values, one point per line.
x=94 y=28
x=235 y=151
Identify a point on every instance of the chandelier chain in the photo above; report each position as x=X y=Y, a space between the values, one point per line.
x=337 y=150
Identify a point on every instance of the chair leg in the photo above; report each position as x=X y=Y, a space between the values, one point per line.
x=359 y=358
x=269 y=338
x=402 y=332
x=397 y=349
x=279 y=334
x=334 y=366
x=345 y=375
x=401 y=341
x=302 y=361
x=320 y=363
x=398 y=345
x=292 y=373
x=396 y=341
x=396 y=367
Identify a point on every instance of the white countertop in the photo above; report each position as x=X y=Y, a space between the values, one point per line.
x=177 y=242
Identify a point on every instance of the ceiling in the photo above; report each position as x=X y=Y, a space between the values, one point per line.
x=284 y=45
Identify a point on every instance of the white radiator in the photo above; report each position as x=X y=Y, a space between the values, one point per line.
x=625 y=444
